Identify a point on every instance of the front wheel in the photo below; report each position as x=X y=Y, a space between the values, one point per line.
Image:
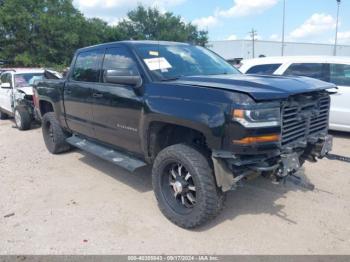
x=23 y=119
x=185 y=187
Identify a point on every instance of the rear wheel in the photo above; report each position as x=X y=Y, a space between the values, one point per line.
x=3 y=115
x=54 y=135
x=185 y=187
x=22 y=118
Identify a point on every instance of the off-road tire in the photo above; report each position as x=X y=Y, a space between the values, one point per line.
x=54 y=135
x=3 y=115
x=209 y=199
x=24 y=122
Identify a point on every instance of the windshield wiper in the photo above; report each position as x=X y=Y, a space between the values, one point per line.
x=171 y=78
x=217 y=74
x=174 y=78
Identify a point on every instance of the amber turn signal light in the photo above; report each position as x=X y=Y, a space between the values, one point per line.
x=238 y=113
x=257 y=139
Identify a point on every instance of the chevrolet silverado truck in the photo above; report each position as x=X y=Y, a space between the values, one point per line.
x=181 y=108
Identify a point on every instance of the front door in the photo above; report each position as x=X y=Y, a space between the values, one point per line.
x=6 y=93
x=78 y=92
x=117 y=108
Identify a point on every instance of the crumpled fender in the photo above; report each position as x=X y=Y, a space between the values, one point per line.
x=28 y=90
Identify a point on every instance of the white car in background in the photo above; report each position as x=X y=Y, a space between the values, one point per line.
x=331 y=69
x=16 y=94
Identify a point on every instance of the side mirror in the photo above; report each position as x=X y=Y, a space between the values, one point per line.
x=6 y=85
x=123 y=77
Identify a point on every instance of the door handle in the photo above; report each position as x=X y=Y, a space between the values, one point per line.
x=97 y=95
x=68 y=91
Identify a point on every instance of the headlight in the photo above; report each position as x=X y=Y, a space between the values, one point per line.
x=263 y=117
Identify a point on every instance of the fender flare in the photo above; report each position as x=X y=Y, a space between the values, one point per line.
x=57 y=109
x=213 y=142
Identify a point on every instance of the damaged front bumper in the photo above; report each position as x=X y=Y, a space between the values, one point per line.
x=230 y=168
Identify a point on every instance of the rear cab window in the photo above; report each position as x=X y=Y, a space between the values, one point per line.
x=267 y=69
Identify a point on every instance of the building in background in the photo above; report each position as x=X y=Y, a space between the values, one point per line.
x=237 y=49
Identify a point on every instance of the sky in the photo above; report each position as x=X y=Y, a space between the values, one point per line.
x=306 y=20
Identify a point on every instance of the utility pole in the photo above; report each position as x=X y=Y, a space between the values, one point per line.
x=253 y=34
x=283 y=25
x=336 y=29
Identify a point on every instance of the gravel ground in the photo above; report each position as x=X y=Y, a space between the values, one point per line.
x=75 y=203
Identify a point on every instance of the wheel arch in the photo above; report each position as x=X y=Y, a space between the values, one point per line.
x=45 y=106
x=160 y=134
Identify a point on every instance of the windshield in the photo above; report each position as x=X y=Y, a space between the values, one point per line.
x=167 y=62
x=27 y=79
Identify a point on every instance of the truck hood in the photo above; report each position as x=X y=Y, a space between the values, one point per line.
x=28 y=90
x=259 y=87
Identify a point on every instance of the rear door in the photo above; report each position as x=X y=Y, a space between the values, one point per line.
x=6 y=93
x=117 y=108
x=78 y=91
x=340 y=108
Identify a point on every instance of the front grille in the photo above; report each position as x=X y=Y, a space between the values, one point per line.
x=304 y=116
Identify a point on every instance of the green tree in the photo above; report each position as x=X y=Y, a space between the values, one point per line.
x=47 y=32
x=150 y=24
x=36 y=32
x=97 y=31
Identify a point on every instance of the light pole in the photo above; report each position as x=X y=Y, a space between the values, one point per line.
x=283 y=25
x=336 y=30
x=253 y=34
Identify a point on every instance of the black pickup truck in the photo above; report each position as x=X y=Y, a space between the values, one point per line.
x=203 y=125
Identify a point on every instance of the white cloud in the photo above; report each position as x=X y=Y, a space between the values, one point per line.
x=114 y=21
x=247 y=7
x=113 y=11
x=275 y=37
x=205 y=22
x=239 y=8
x=232 y=37
x=122 y=3
x=315 y=25
x=344 y=37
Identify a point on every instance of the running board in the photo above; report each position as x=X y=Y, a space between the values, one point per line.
x=120 y=159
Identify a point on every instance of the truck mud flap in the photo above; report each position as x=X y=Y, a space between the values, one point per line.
x=118 y=158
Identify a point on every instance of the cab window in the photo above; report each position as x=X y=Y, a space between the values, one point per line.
x=119 y=59
x=268 y=69
x=6 y=78
x=340 y=74
x=315 y=70
x=87 y=66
